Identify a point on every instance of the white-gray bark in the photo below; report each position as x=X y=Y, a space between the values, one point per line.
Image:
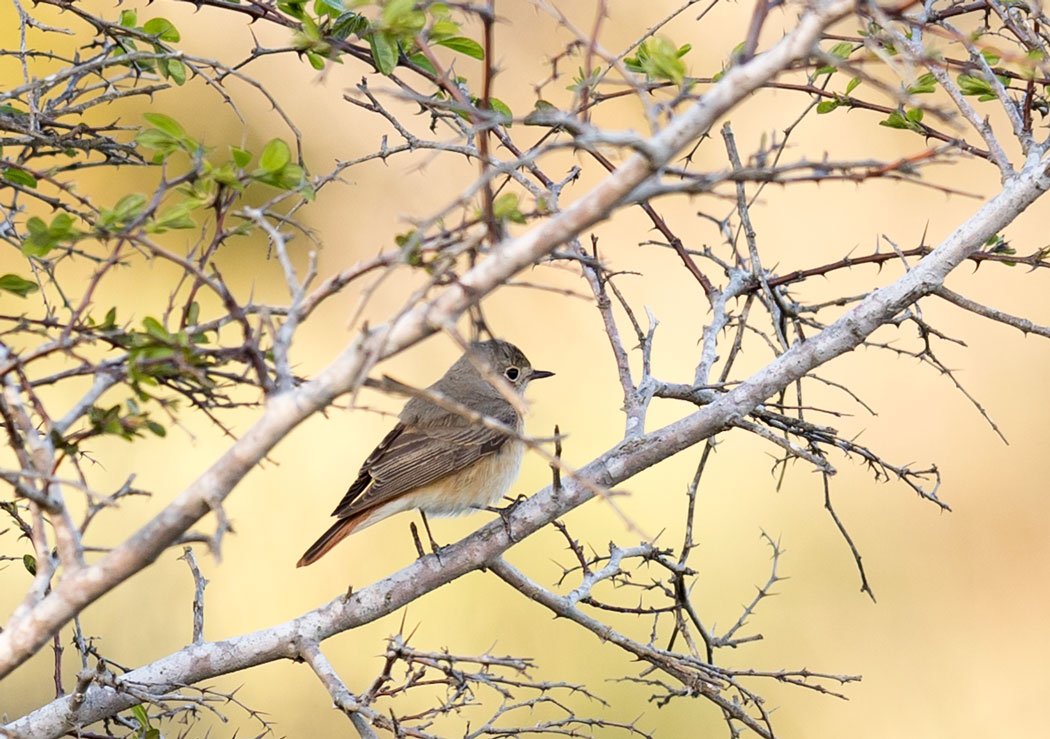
x=53 y=601
x=27 y=630
x=203 y=661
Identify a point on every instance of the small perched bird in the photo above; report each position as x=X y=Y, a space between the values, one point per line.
x=435 y=459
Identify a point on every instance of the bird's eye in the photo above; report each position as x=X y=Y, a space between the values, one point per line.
x=512 y=373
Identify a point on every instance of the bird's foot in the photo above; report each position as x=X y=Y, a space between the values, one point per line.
x=506 y=512
x=435 y=548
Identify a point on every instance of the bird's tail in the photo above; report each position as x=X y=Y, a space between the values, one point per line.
x=339 y=531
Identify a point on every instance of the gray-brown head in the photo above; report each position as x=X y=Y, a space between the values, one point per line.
x=467 y=382
x=464 y=379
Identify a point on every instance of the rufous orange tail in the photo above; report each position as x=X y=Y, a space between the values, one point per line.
x=339 y=531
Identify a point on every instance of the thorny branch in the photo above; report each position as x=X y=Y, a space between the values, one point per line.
x=216 y=347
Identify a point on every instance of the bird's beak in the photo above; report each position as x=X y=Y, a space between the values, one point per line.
x=540 y=374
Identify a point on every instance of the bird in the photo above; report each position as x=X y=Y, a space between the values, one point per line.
x=436 y=459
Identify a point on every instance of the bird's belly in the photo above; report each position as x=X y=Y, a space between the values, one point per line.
x=478 y=486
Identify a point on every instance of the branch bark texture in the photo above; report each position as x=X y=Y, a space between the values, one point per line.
x=203 y=661
x=29 y=629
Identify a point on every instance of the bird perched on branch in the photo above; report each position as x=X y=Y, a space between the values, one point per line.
x=445 y=456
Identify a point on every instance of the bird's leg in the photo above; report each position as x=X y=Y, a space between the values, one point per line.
x=434 y=546
x=415 y=539
x=505 y=513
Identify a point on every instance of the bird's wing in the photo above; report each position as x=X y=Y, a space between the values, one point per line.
x=410 y=457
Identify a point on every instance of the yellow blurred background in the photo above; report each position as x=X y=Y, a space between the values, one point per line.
x=957 y=643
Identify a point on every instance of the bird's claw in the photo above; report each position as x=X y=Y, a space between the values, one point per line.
x=506 y=512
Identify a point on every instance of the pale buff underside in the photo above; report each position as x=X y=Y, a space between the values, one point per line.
x=479 y=485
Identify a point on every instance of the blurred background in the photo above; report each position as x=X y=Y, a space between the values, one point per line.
x=956 y=644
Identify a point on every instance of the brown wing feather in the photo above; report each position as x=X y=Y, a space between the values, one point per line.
x=364 y=476
x=409 y=458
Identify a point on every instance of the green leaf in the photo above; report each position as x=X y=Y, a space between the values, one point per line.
x=293 y=8
x=62 y=226
x=162 y=28
x=400 y=18
x=315 y=59
x=176 y=70
x=505 y=113
x=924 y=84
x=463 y=45
x=333 y=8
x=128 y=18
x=275 y=155
x=442 y=29
x=177 y=216
x=914 y=115
x=29 y=562
x=166 y=124
x=420 y=60
x=1033 y=59
x=505 y=208
x=991 y=57
x=827 y=106
x=658 y=58
x=141 y=716
x=289 y=177
x=384 y=51
x=228 y=175
x=897 y=120
x=20 y=177
x=162 y=143
x=19 y=286
x=36 y=226
x=240 y=157
x=841 y=50
x=129 y=206
x=852 y=85
x=155 y=329
x=393 y=9
x=309 y=35
x=347 y=24
x=110 y=321
x=160 y=431
x=43 y=238
x=970 y=85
